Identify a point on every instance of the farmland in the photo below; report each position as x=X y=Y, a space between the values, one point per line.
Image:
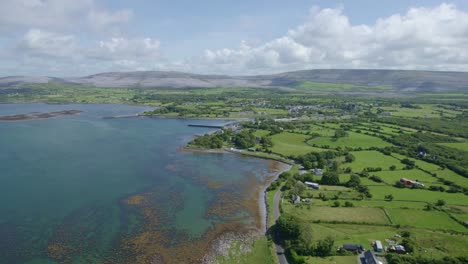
x=433 y=214
x=374 y=159
x=462 y=146
x=424 y=219
x=363 y=144
x=371 y=215
x=291 y=143
x=367 y=201
x=353 y=140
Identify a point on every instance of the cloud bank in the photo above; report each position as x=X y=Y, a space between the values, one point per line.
x=423 y=38
x=67 y=37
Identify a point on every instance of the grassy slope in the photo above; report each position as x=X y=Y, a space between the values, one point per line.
x=407 y=194
x=337 y=87
x=341 y=214
x=286 y=143
x=353 y=140
x=461 y=146
x=424 y=219
x=372 y=159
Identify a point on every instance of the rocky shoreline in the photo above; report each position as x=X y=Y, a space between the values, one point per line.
x=222 y=245
x=39 y=115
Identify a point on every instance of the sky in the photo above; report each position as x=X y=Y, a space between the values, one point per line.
x=76 y=38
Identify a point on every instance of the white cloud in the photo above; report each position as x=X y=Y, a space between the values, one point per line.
x=116 y=48
x=423 y=38
x=42 y=43
x=51 y=48
x=69 y=37
x=60 y=15
x=102 y=20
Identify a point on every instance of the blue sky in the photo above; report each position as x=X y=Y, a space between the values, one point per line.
x=229 y=22
x=68 y=37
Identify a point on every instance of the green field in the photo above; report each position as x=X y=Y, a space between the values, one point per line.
x=418 y=195
x=451 y=176
x=287 y=144
x=374 y=159
x=340 y=214
x=391 y=177
x=442 y=173
x=461 y=146
x=334 y=260
x=438 y=242
x=424 y=219
x=323 y=131
x=353 y=140
x=425 y=111
x=388 y=204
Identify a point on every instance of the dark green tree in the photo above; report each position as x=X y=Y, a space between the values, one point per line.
x=330 y=178
x=324 y=247
x=354 y=181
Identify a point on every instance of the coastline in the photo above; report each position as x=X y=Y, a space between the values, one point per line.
x=262 y=199
x=194 y=118
x=221 y=246
x=224 y=241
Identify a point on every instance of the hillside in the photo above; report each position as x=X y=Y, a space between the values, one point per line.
x=320 y=80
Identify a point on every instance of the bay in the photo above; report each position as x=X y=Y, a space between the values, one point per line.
x=89 y=189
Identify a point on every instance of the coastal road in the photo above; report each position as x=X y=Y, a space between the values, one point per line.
x=276 y=214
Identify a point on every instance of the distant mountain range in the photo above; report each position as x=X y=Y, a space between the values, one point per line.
x=394 y=80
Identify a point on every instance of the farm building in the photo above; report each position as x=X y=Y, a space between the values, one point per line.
x=369 y=258
x=378 y=246
x=312 y=185
x=353 y=247
x=318 y=171
x=398 y=249
x=412 y=183
x=296 y=199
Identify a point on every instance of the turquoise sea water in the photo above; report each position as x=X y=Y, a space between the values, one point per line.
x=86 y=189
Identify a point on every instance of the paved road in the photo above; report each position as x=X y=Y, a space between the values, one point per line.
x=276 y=214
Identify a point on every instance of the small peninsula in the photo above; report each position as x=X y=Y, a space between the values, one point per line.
x=38 y=115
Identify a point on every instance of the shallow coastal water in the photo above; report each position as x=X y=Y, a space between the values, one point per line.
x=87 y=189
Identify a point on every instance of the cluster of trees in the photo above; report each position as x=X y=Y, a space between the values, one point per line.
x=346 y=204
x=214 y=140
x=408 y=105
x=297 y=238
x=339 y=133
x=371 y=169
x=410 y=164
x=354 y=181
x=270 y=125
x=375 y=178
x=426 y=143
x=437 y=205
x=242 y=140
x=452 y=127
x=330 y=178
x=319 y=159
